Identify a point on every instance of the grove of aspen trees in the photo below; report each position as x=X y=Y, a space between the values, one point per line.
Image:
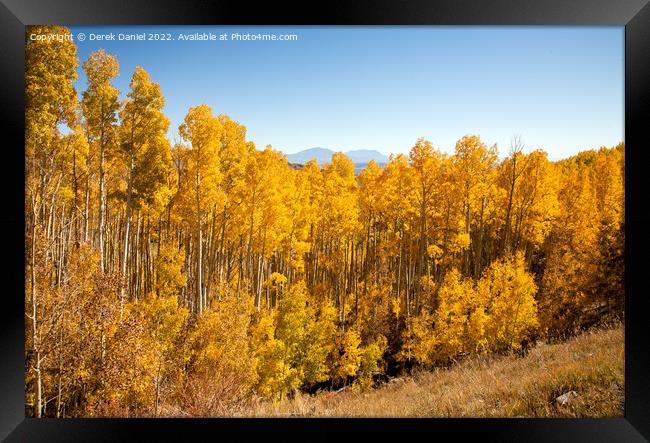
x=190 y=279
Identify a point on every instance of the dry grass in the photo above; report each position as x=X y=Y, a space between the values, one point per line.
x=591 y=364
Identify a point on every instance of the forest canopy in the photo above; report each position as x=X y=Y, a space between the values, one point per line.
x=182 y=279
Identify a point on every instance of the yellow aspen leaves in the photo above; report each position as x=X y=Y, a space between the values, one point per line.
x=198 y=277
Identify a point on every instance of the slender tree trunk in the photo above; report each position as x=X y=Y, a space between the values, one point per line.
x=87 y=204
x=423 y=250
x=199 y=246
x=127 y=232
x=35 y=345
x=102 y=197
x=136 y=260
x=76 y=197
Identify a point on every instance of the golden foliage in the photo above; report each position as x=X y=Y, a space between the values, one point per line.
x=188 y=280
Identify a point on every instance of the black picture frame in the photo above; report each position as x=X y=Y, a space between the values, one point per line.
x=633 y=14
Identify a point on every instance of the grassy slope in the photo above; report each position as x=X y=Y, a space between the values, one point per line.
x=591 y=364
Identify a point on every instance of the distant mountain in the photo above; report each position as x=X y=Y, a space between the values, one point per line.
x=324 y=155
x=365 y=155
x=321 y=155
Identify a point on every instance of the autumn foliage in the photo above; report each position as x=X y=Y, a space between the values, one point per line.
x=191 y=279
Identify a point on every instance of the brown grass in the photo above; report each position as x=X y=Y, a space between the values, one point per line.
x=591 y=364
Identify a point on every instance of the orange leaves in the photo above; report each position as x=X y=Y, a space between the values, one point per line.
x=508 y=292
x=498 y=312
x=50 y=71
x=584 y=248
x=170 y=277
x=298 y=274
x=99 y=102
x=203 y=131
x=339 y=216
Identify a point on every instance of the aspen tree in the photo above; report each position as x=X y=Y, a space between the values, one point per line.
x=99 y=107
x=142 y=130
x=202 y=130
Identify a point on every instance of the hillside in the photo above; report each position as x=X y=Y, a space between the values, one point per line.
x=591 y=365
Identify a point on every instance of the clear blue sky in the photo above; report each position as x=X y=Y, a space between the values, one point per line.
x=560 y=88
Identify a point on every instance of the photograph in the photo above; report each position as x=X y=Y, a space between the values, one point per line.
x=324 y=221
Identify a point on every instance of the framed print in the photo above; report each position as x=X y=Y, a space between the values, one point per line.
x=394 y=216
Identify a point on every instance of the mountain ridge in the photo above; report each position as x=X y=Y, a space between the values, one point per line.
x=324 y=155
